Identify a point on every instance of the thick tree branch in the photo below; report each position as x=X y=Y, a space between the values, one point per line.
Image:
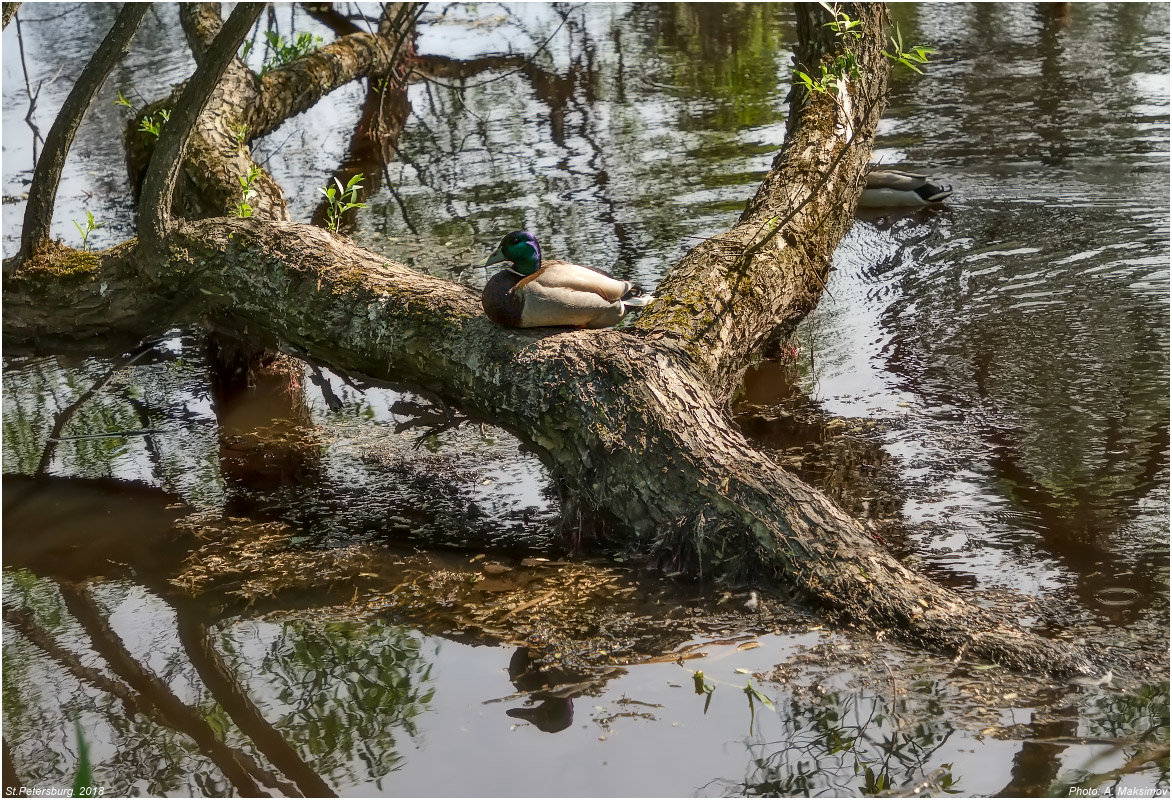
x=215 y=157
x=201 y=23
x=724 y=306
x=9 y=12
x=632 y=422
x=297 y=86
x=38 y=213
x=604 y=408
x=607 y=410
x=154 y=212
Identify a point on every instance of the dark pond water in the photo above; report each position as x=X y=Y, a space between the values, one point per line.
x=305 y=591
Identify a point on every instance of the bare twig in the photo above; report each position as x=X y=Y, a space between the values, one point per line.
x=67 y=413
x=32 y=96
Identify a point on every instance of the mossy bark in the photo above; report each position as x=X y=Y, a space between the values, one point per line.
x=632 y=422
x=246 y=106
x=741 y=290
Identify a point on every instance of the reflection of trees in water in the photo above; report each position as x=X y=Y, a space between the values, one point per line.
x=851 y=743
x=338 y=690
x=1063 y=408
x=132 y=420
x=856 y=743
x=201 y=712
x=1133 y=724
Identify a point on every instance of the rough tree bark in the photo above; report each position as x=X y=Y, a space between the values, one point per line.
x=633 y=423
x=256 y=105
x=9 y=11
x=158 y=186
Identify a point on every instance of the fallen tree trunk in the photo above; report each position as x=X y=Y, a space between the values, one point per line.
x=632 y=422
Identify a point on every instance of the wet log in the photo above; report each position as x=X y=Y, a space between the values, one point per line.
x=632 y=422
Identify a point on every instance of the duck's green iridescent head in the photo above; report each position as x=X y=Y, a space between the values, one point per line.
x=521 y=248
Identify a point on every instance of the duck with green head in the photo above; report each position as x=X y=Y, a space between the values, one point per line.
x=892 y=187
x=534 y=292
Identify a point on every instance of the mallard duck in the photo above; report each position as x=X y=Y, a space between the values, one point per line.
x=890 y=187
x=536 y=292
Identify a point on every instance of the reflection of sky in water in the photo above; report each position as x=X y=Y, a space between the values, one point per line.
x=444 y=703
x=95 y=174
x=1050 y=267
x=1041 y=253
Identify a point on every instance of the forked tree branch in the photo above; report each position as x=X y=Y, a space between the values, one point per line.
x=631 y=422
x=158 y=189
x=735 y=293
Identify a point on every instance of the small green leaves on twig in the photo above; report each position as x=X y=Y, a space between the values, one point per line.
x=122 y=101
x=842 y=24
x=284 y=50
x=153 y=123
x=341 y=199
x=754 y=694
x=240 y=135
x=243 y=208
x=704 y=687
x=845 y=66
x=90 y=227
x=918 y=54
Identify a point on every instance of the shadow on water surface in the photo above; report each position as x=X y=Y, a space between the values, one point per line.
x=306 y=585
x=192 y=607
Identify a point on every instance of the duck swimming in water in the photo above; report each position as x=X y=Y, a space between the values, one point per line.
x=535 y=292
x=891 y=187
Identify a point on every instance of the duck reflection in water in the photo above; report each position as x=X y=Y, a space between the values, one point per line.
x=556 y=710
